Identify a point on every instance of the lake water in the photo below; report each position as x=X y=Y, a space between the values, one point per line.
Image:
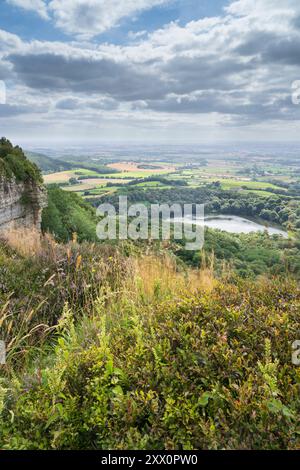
x=235 y=224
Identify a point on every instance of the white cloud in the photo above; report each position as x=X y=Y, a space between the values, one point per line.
x=39 y=6
x=234 y=70
x=88 y=18
x=9 y=41
x=262 y=7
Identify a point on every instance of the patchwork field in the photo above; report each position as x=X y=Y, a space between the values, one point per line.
x=92 y=183
x=230 y=174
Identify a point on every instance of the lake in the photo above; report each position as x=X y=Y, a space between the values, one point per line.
x=235 y=224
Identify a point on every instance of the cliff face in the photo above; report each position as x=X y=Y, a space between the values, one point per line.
x=21 y=204
x=22 y=195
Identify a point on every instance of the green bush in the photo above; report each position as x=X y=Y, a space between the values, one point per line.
x=208 y=371
x=67 y=213
x=13 y=162
x=248 y=255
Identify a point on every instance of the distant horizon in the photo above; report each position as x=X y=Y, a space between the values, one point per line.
x=93 y=143
x=153 y=150
x=36 y=143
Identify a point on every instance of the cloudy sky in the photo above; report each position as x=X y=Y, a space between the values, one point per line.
x=149 y=70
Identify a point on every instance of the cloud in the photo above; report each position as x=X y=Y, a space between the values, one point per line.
x=7 y=110
x=71 y=104
x=234 y=69
x=284 y=51
x=120 y=80
x=38 y=6
x=188 y=74
x=88 y=18
x=125 y=79
x=9 y=41
x=262 y=8
x=255 y=108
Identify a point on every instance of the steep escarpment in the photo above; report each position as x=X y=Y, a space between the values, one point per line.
x=22 y=195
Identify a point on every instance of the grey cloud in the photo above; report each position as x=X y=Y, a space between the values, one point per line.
x=106 y=104
x=125 y=81
x=255 y=43
x=7 y=110
x=296 y=22
x=271 y=48
x=56 y=72
x=70 y=104
x=286 y=51
x=217 y=77
x=5 y=72
x=191 y=74
x=257 y=108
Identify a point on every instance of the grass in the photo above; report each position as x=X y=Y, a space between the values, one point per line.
x=38 y=276
x=160 y=277
x=125 y=348
x=27 y=242
x=232 y=183
x=153 y=357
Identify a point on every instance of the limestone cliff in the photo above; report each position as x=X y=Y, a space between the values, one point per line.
x=22 y=195
x=21 y=205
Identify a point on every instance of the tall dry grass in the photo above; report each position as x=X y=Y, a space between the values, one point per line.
x=160 y=276
x=81 y=276
x=26 y=241
x=21 y=332
x=30 y=242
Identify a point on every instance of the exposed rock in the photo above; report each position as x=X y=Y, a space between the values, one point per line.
x=21 y=204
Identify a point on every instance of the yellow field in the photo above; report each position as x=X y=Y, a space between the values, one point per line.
x=64 y=176
x=60 y=177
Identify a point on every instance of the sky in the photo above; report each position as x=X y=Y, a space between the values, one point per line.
x=149 y=70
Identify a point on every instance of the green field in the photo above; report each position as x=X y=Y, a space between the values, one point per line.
x=261 y=178
x=233 y=184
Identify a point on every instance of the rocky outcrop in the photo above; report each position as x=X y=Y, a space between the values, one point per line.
x=21 y=204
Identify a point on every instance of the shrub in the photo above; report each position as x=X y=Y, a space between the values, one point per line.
x=205 y=370
x=13 y=163
x=67 y=213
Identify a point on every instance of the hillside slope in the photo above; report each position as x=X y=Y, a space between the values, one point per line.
x=47 y=164
x=144 y=356
x=67 y=213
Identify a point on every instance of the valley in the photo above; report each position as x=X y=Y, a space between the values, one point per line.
x=94 y=176
x=144 y=344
